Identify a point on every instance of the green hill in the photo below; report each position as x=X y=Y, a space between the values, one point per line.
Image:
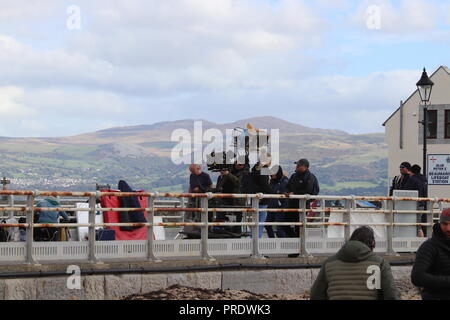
x=344 y=163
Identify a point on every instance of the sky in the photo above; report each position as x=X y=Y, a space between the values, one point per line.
x=71 y=67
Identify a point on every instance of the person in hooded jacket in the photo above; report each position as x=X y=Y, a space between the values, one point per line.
x=129 y=202
x=44 y=217
x=431 y=270
x=356 y=272
x=278 y=183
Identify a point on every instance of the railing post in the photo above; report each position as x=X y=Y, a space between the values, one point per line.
x=30 y=229
x=205 y=227
x=183 y=213
x=302 y=228
x=347 y=217
x=150 y=252
x=255 y=228
x=91 y=229
x=11 y=204
x=430 y=216
x=322 y=216
x=390 y=227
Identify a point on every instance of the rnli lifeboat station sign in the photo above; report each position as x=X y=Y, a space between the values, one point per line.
x=439 y=169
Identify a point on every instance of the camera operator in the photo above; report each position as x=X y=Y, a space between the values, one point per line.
x=227 y=182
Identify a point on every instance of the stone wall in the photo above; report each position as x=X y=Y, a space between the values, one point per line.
x=101 y=287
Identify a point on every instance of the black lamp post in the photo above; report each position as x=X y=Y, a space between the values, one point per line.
x=425 y=85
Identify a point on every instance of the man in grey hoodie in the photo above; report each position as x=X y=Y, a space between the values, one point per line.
x=355 y=272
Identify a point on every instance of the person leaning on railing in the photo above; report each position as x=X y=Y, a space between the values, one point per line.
x=199 y=182
x=44 y=217
x=399 y=181
x=301 y=182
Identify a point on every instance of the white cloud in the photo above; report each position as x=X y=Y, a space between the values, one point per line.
x=137 y=61
x=80 y=104
x=25 y=9
x=158 y=48
x=414 y=18
x=11 y=104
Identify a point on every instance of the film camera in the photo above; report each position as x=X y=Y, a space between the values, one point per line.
x=220 y=161
x=247 y=142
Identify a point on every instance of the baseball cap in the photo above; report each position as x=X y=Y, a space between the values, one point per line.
x=445 y=216
x=406 y=165
x=302 y=162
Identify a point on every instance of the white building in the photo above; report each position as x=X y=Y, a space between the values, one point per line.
x=404 y=134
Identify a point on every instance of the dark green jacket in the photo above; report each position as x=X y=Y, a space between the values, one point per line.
x=229 y=184
x=350 y=274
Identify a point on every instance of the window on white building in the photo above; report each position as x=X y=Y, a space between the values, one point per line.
x=447 y=124
x=432 y=124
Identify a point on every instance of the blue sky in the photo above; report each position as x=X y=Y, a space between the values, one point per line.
x=316 y=63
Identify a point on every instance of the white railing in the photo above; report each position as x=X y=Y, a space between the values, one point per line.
x=313 y=236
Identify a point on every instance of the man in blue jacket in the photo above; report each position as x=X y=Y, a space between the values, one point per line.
x=48 y=217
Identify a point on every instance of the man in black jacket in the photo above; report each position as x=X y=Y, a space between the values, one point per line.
x=431 y=270
x=301 y=182
x=399 y=181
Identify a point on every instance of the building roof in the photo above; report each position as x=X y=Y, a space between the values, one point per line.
x=441 y=67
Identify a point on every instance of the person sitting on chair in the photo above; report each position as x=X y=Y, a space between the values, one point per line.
x=49 y=233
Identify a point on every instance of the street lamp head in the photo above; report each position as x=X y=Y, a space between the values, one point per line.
x=425 y=85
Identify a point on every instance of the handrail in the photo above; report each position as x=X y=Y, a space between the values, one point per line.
x=303 y=222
